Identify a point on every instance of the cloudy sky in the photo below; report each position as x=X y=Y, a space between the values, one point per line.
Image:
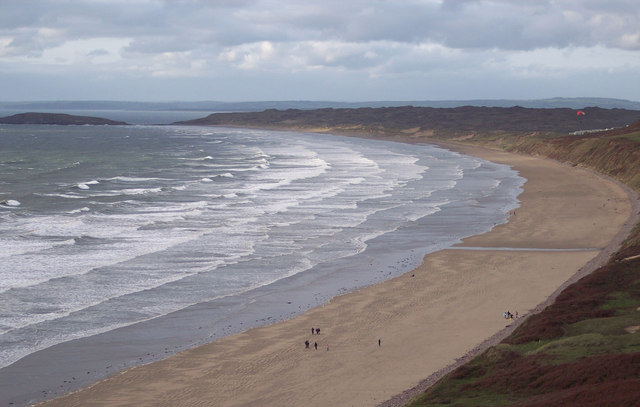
x=342 y=50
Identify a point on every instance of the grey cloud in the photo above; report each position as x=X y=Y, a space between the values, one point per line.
x=98 y=53
x=334 y=43
x=459 y=24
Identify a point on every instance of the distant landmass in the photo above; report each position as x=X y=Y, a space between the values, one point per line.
x=218 y=106
x=56 y=118
x=416 y=120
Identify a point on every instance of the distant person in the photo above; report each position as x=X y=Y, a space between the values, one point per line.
x=315 y=345
x=317 y=331
x=306 y=344
x=379 y=342
x=312 y=331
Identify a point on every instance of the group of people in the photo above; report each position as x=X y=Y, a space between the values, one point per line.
x=315 y=344
x=509 y=315
x=316 y=331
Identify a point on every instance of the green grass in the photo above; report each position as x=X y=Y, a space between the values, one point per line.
x=604 y=326
x=635 y=137
x=621 y=300
x=570 y=349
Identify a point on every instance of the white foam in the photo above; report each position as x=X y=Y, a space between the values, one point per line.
x=135 y=179
x=79 y=210
x=85 y=185
x=197 y=159
x=10 y=202
x=128 y=191
x=68 y=196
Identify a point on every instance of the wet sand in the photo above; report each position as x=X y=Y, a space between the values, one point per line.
x=425 y=319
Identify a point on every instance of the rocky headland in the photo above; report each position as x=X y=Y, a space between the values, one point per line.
x=58 y=119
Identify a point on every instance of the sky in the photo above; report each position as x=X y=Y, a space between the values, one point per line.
x=338 y=50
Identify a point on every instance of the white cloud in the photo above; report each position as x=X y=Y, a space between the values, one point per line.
x=324 y=41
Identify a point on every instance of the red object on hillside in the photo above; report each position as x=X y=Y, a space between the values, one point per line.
x=580 y=113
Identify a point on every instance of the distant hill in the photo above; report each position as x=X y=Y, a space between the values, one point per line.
x=427 y=119
x=56 y=118
x=218 y=106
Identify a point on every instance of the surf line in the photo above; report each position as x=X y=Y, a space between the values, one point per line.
x=524 y=249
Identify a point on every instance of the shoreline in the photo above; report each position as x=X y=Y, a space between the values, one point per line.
x=268 y=343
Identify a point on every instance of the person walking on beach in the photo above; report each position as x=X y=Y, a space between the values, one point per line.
x=315 y=345
x=379 y=342
x=306 y=344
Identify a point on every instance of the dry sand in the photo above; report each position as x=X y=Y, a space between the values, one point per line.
x=425 y=319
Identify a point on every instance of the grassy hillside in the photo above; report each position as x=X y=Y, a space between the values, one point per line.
x=389 y=120
x=583 y=350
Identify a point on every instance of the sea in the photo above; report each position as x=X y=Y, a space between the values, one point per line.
x=150 y=239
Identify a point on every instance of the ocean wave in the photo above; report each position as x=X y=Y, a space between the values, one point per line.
x=12 y=203
x=79 y=210
x=208 y=157
x=85 y=185
x=299 y=205
x=127 y=191
x=68 y=196
x=134 y=179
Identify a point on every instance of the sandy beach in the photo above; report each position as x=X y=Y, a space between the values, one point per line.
x=382 y=340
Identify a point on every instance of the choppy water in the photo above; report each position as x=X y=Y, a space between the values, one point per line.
x=102 y=227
